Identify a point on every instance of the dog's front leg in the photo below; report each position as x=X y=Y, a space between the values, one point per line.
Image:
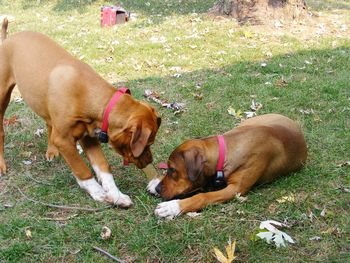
x=173 y=208
x=100 y=165
x=67 y=148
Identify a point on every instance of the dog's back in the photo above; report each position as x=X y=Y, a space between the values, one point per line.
x=288 y=150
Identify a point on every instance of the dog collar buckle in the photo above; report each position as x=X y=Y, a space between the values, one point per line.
x=103 y=137
x=219 y=179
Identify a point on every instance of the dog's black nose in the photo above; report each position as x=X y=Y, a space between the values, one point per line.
x=159 y=188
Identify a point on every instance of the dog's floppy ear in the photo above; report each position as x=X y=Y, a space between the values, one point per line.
x=139 y=139
x=159 y=121
x=194 y=163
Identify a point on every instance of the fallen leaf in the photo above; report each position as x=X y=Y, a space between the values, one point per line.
x=106 y=233
x=8 y=205
x=307 y=111
x=240 y=198
x=250 y=114
x=255 y=106
x=315 y=238
x=193 y=214
x=344 y=189
x=26 y=154
x=11 y=121
x=281 y=82
x=272 y=234
x=343 y=164
x=197 y=96
x=28 y=232
x=237 y=114
x=287 y=198
x=39 y=132
x=230 y=253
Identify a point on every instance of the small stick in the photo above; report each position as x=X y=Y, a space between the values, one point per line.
x=108 y=255
x=59 y=218
x=38 y=182
x=63 y=206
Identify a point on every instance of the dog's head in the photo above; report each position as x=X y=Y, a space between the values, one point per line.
x=134 y=139
x=185 y=172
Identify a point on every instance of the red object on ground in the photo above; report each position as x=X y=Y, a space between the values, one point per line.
x=111 y=15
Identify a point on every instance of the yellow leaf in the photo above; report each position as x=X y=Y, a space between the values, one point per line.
x=230 y=250
x=28 y=232
x=219 y=255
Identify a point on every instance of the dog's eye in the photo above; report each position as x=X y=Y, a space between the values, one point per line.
x=170 y=171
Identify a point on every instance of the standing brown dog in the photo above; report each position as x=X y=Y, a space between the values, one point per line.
x=71 y=97
x=259 y=150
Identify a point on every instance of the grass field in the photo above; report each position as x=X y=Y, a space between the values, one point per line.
x=210 y=64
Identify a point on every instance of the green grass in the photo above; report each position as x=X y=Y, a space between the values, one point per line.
x=226 y=61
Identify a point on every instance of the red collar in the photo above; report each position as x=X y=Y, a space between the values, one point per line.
x=219 y=176
x=103 y=136
x=222 y=151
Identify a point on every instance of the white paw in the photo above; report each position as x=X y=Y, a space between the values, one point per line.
x=119 y=199
x=151 y=187
x=93 y=188
x=168 y=210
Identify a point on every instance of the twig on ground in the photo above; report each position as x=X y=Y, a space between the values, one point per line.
x=108 y=255
x=62 y=206
x=38 y=182
x=59 y=218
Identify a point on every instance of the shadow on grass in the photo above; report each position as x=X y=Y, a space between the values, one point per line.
x=320 y=5
x=150 y=7
x=286 y=85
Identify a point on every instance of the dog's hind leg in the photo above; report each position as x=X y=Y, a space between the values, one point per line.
x=92 y=148
x=52 y=150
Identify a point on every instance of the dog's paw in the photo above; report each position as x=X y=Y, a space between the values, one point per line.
x=151 y=187
x=93 y=188
x=168 y=210
x=2 y=167
x=51 y=153
x=119 y=199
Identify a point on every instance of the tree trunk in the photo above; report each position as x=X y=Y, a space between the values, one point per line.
x=261 y=11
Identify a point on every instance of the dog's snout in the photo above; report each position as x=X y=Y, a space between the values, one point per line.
x=159 y=188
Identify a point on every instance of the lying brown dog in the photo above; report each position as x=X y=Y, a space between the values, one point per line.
x=259 y=150
x=72 y=98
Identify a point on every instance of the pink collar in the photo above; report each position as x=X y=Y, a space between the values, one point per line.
x=103 y=136
x=222 y=150
x=219 y=179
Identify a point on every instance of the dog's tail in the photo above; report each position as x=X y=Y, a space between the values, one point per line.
x=5 y=24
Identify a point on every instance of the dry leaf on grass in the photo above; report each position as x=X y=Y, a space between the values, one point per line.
x=287 y=198
x=230 y=253
x=237 y=114
x=106 y=233
x=193 y=214
x=39 y=132
x=154 y=96
x=11 y=121
x=28 y=232
x=272 y=234
x=343 y=164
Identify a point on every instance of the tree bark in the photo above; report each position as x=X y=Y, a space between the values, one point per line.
x=261 y=11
